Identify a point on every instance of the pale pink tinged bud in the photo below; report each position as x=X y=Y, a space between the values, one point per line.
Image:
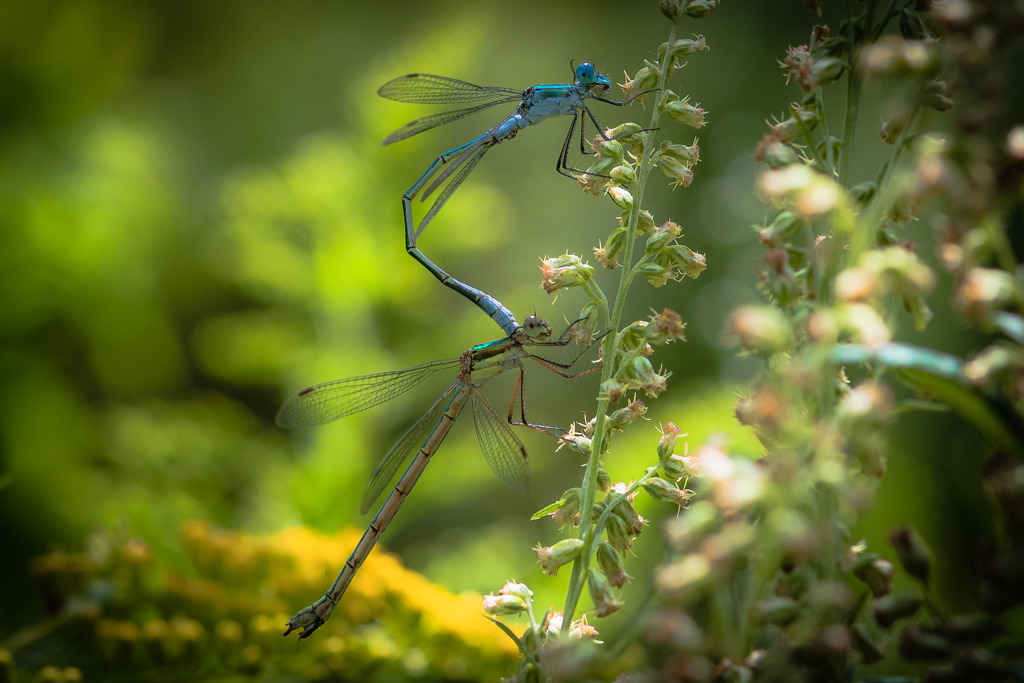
x=581 y=630
x=667 y=444
x=985 y=290
x=684 y=577
x=559 y=554
x=503 y=605
x=822 y=328
x=564 y=271
x=665 y=327
x=683 y=47
x=686 y=260
x=613 y=390
x=621 y=196
x=687 y=155
x=698 y=9
x=626 y=132
x=856 y=284
x=520 y=590
x=634 y=522
x=868 y=402
x=791 y=128
x=760 y=329
x=676 y=467
x=577 y=441
x=1015 y=143
x=864 y=322
x=605 y=602
x=894 y=56
x=618 y=533
x=990 y=363
x=657 y=274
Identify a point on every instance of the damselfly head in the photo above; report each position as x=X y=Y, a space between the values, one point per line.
x=536 y=329
x=593 y=80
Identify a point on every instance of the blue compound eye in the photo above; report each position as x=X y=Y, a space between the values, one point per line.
x=585 y=73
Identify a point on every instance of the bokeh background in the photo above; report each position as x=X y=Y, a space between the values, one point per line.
x=198 y=218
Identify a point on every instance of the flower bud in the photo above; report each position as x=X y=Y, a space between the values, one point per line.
x=625 y=510
x=665 y=327
x=623 y=175
x=645 y=79
x=561 y=553
x=934 y=94
x=580 y=630
x=564 y=271
x=890 y=129
x=760 y=329
x=789 y=129
x=778 y=611
x=863 y=193
x=657 y=274
x=607 y=149
x=893 y=56
x=912 y=26
x=520 y=590
x=774 y=152
x=618 y=533
x=503 y=605
x=605 y=602
x=608 y=254
x=877 y=574
x=626 y=416
x=698 y=9
x=684 y=47
x=870 y=651
x=667 y=233
x=643 y=376
x=686 y=155
x=685 y=259
x=604 y=481
x=595 y=178
x=645 y=225
x=682 y=112
x=986 y=289
x=568 y=513
x=670 y=8
x=610 y=562
x=916 y=645
x=613 y=390
x=665 y=492
x=913 y=554
x=586 y=324
x=626 y=132
x=892 y=608
x=667 y=443
x=676 y=467
x=621 y=196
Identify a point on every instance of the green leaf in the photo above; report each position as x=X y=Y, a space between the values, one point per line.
x=511 y=635
x=973 y=408
x=544 y=512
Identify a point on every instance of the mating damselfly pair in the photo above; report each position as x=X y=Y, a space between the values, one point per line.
x=502 y=449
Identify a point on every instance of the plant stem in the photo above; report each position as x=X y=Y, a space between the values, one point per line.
x=853 y=88
x=588 y=531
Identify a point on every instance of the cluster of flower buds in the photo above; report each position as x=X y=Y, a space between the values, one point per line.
x=611 y=170
x=513 y=598
x=561 y=272
x=694 y=9
x=812 y=68
x=677 y=161
x=896 y=56
x=893 y=270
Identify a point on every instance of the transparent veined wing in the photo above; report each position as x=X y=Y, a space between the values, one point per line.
x=468 y=161
x=503 y=450
x=417 y=126
x=330 y=401
x=400 y=452
x=430 y=89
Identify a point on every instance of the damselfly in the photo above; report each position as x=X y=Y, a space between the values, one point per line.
x=535 y=105
x=502 y=449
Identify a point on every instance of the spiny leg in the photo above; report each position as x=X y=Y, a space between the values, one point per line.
x=520 y=390
x=562 y=165
x=629 y=101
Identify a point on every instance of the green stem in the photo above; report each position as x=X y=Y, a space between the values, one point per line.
x=819 y=98
x=853 y=89
x=611 y=343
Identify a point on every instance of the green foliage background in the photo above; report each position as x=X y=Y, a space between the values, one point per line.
x=197 y=218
